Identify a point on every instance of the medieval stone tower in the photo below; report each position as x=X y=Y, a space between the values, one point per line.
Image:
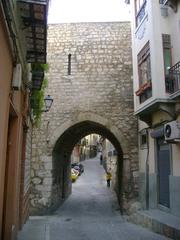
x=90 y=81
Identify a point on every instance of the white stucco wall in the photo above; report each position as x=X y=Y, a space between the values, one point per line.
x=151 y=29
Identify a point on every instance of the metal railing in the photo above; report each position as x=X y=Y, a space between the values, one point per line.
x=173 y=79
x=34 y=24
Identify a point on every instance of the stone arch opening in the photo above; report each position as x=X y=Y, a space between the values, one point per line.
x=61 y=162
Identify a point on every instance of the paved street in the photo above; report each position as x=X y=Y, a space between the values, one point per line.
x=90 y=213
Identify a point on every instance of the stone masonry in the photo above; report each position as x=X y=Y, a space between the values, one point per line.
x=90 y=79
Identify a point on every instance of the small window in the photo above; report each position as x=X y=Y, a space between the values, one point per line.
x=143 y=139
x=69 y=64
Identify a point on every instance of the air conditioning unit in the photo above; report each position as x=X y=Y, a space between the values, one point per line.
x=17 y=77
x=172 y=132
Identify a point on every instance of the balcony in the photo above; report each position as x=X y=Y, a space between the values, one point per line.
x=146 y=110
x=34 y=21
x=173 y=81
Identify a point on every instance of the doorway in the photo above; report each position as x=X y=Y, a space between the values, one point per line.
x=163 y=168
x=10 y=213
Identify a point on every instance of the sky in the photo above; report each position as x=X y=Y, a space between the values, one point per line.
x=66 y=11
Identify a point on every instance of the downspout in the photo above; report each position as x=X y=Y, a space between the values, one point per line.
x=8 y=21
x=147 y=171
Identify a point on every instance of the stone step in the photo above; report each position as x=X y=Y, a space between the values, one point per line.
x=158 y=222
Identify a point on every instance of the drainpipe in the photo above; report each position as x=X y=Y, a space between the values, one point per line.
x=147 y=170
x=9 y=21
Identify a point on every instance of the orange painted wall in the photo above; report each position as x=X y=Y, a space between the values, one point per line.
x=6 y=69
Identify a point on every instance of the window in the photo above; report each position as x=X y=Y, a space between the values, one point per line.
x=145 y=95
x=166 y=41
x=167 y=52
x=69 y=64
x=140 y=7
x=144 y=70
x=139 y=4
x=143 y=139
x=144 y=65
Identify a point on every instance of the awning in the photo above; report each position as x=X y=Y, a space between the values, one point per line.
x=158 y=132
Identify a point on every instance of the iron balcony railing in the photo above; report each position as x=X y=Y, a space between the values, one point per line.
x=34 y=25
x=173 y=79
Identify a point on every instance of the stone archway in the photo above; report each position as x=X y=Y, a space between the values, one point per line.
x=61 y=158
x=89 y=116
x=61 y=144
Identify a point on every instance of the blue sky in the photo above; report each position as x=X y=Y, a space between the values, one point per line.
x=65 y=11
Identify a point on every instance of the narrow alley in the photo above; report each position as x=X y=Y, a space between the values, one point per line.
x=91 y=212
x=81 y=79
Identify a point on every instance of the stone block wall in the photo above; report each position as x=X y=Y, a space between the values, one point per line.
x=90 y=74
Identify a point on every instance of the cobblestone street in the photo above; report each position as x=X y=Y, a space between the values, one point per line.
x=90 y=213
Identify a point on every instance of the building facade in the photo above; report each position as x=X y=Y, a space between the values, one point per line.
x=16 y=55
x=86 y=148
x=109 y=160
x=156 y=77
x=90 y=81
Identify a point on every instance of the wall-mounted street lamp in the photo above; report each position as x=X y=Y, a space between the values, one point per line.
x=48 y=100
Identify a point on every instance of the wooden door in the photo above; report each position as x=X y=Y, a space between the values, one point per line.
x=9 y=211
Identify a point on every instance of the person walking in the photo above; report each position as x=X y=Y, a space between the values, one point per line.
x=108 y=179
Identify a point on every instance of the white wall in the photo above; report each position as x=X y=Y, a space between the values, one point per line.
x=151 y=29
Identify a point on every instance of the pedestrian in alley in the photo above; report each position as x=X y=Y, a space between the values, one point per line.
x=108 y=178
